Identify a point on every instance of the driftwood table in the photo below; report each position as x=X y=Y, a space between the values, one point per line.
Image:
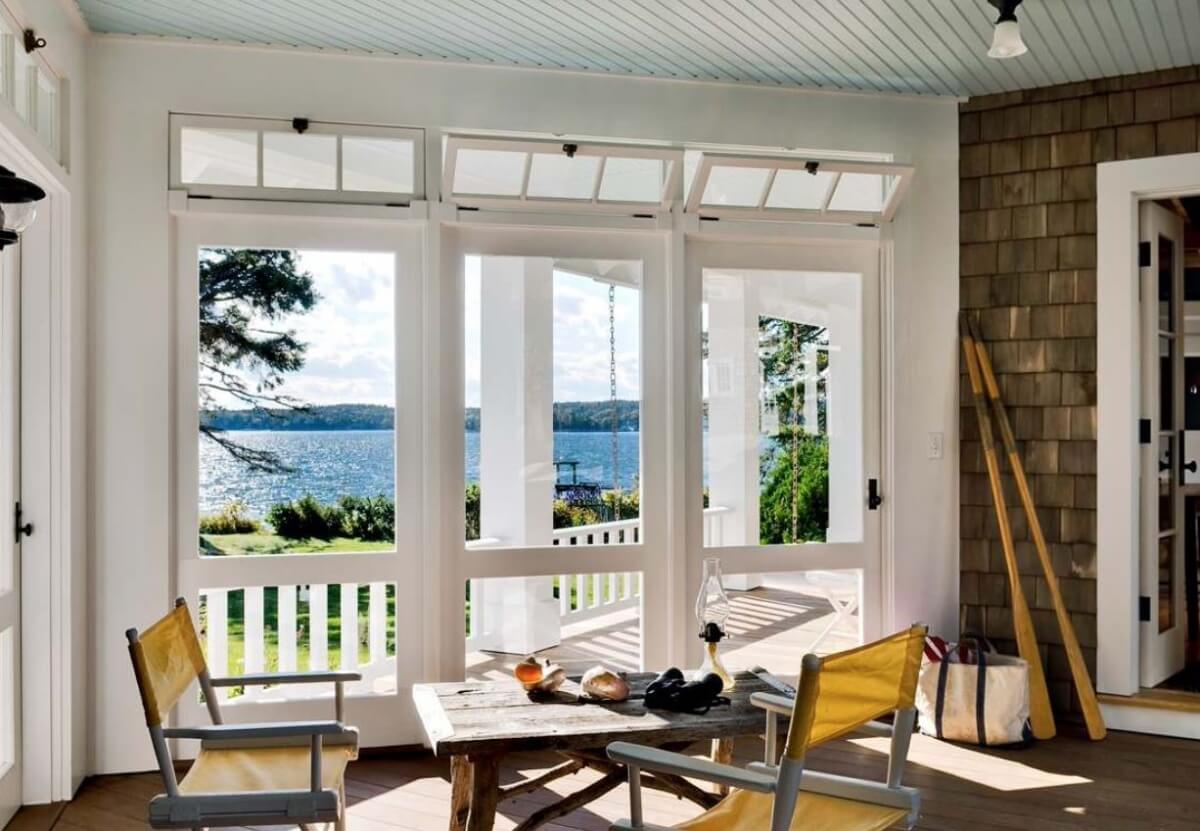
x=477 y=723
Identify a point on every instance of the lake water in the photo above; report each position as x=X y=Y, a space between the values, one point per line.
x=330 y=463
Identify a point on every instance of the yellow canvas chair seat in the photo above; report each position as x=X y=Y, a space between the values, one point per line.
x=264 y=769
x=747 y=811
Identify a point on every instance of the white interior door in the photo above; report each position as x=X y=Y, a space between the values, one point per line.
x=271 y=596
x=1163 y=624
x=784 y=418
x=10 y=562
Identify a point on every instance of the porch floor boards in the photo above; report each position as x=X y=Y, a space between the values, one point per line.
x=1128 y=781
x=769 y=626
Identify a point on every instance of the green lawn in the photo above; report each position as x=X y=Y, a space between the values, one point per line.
x=227 y=544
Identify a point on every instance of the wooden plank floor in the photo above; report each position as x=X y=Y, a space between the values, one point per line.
x=1126 y=782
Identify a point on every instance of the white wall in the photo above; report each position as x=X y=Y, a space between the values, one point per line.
x=134 y=84
x=54 y=478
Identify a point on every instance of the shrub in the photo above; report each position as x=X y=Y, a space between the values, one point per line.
x=472 y=504
x=811 y=492
x=368 y=519
x=306 y=518
x=231 y=519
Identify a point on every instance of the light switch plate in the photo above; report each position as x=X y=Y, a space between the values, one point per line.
x=936 y=441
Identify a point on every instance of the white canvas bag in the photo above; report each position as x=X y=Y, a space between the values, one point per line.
x=985 y=703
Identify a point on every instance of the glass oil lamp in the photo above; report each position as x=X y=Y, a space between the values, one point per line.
x=712 y=611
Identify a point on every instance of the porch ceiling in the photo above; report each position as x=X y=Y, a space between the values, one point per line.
x=933 y=47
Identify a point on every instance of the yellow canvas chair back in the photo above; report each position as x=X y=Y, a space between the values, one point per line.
x=855 y=687
x=166 y=659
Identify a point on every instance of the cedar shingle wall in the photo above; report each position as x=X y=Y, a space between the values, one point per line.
x=1028 y=267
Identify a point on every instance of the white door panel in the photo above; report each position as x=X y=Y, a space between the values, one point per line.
x=10 y=563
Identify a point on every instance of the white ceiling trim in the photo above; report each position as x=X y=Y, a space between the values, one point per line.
x=925 y=47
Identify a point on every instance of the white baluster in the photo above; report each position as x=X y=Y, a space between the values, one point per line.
x=473 y=599
x=580 y=592
x=349 y=640
x=597 y=591
x=252 y=628
x=377 y=622
x=318 y=627
x=627 y=586
x=217 y=610
x=612 y=588
x=564 y=594
x=287 y=628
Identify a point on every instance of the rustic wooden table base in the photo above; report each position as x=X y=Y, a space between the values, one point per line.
x=475 y=794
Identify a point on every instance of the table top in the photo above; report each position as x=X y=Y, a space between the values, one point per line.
x=482 y=717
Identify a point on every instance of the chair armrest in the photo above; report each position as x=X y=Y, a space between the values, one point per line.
x=773 y=702
x=664 y=761
x=268 y=730
x=257 y=679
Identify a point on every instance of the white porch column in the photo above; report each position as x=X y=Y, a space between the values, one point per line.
x=516 y=445
x=733 y=430
x=844 y=413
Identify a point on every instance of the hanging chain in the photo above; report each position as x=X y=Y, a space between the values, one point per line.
x=797 y=368
x=612 y=395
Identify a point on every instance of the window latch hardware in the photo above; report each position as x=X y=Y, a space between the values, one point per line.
x=20 y=530
x=874 y=500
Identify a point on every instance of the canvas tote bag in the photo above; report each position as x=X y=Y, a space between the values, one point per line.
x=986 y=703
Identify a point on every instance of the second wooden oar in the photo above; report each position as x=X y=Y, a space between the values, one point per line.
x=1041 y=716
x=1079 y=672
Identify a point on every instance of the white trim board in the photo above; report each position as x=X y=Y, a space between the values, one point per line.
x=1120 y=186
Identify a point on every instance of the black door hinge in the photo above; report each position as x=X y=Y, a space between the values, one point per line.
x=1143 y=431
x=874 y=500
x=1144 y=609
x=1143 y=255
x=20 y=530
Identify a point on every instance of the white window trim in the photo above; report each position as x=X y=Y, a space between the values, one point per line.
x=10 y=42
x=178 y=121
x=708 y=160
x=594 y=204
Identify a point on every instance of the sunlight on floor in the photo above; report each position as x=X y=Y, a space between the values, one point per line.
x=975 y=766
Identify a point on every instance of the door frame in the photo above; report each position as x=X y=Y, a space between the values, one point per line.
x=843 y=250
x=203 y=222
x=1120 y=187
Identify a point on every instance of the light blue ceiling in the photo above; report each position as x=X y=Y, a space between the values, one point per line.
x=916 y=46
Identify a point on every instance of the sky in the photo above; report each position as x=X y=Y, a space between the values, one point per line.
x=349 y=332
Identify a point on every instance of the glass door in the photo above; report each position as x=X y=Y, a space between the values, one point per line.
x=558 y=464
x=784 y=425
x=299 y=466
x=10 y=549
x=1161 y=598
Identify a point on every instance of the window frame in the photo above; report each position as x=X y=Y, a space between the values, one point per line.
x=694 y=203
x=594 y=204
x=340 y=130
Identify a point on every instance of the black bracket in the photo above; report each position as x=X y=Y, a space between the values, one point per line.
x=20 y=530
x=570 y=150
x=1144 y=608
x=300 y=125
x=1143 y=255
x=1143 y=431
x=812 y=168
x=33 y=42
x=874 y=500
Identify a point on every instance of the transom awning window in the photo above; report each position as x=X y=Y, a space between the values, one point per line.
x=274 y=159
x=792 y=187
x=527 y=173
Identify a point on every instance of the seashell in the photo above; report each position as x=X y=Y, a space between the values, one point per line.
x=604 y=684
x=529 y=671
x=539 y=675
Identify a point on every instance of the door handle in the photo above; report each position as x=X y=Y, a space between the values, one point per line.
x=20 y=530
x=1190 y=466
x=874 y=500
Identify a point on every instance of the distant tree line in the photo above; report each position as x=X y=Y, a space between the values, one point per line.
x=580 y=416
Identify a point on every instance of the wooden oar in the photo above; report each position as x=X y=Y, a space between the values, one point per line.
x=1079 y=672
x=1041 y=716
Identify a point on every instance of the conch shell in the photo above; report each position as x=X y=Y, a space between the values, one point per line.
x=602 y=683
x=539 y=675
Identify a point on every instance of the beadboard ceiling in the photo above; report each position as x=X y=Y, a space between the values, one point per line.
x=931 y=47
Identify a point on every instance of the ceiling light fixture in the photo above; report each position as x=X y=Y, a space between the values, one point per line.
x=1006 y=40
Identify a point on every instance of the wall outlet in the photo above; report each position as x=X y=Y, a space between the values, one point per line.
x=936 y=442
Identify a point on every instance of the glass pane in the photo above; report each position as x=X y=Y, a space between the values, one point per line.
x=1166 y=483
x=735 y=186
x=24 y=79
x=777 y=617
x=553 y=396
x=633 y=180
x=858 y=192
x=489 y=172
x=783 y=385
x=799 y=189
x=47 y=108
x=573 y=620
x=297 y=628
x=376 y=164
x=297 y=386
x=1166 y=284
x=558 y=176
x=1166 y=583
x=299 y=160
x=1166 y=383
x=218 y=157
